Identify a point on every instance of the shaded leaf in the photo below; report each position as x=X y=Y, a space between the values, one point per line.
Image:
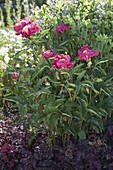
x=82 y=135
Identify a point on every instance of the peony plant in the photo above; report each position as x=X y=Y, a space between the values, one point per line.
x=65 y=85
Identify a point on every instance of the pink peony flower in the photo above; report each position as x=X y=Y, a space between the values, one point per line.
x=62 y=28
x=15 y=75
x=29 y=30
x=21 y=24
x=62 y=61
x=85 y=53
x=47 y=53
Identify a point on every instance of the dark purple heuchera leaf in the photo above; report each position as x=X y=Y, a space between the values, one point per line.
x=78 y=155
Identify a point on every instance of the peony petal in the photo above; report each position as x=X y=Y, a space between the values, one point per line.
x=71 y=64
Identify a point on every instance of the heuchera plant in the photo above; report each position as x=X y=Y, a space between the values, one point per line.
x=66 y=83
x=8 y=152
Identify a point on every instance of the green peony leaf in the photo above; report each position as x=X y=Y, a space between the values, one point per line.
x=80 y=76
x=82 y=135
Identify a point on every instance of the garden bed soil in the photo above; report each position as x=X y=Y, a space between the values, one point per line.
x=19 y=153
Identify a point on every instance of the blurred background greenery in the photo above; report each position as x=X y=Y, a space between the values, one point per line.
x=8 y=6
x=38 y=2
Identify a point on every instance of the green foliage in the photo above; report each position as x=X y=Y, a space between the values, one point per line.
x=2 y=18
x=64 y=102
x=8 y=11
x=14 y=11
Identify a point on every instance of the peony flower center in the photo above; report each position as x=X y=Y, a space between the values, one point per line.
x=85 y=51
x=25 y=29
x=62 y=60
x=19 y=24
x=47 y=52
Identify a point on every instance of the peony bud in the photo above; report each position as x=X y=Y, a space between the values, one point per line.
x=15 y=75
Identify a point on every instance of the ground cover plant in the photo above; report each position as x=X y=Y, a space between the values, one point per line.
x=59 y=80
